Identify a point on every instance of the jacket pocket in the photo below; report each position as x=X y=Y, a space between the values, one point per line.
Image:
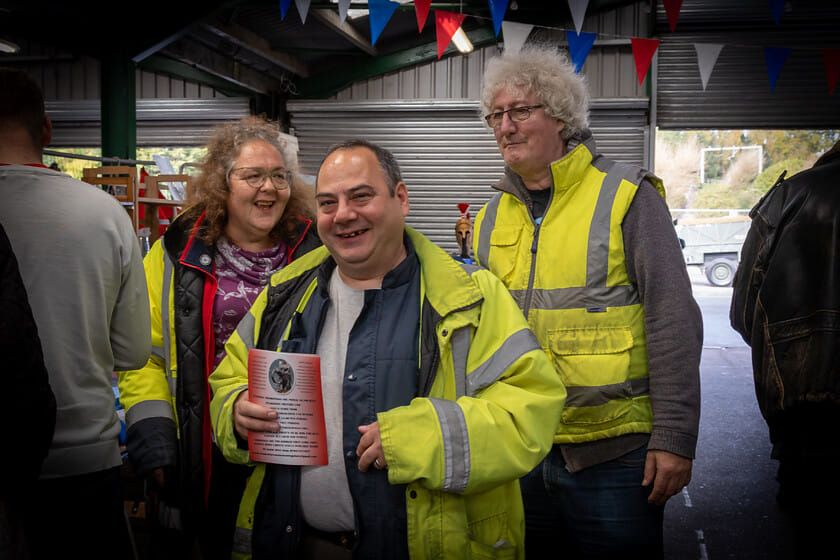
x=504 y=245
x=593 y=363
x=491 y=529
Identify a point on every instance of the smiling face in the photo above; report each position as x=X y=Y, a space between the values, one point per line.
x=253 y=212
x=359 y=220
x=530 y=146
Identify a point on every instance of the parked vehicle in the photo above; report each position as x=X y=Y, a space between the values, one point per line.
x=713 y=244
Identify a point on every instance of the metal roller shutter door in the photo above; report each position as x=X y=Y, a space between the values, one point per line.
x=738 y=94
x=445 y=152
x=160 y=122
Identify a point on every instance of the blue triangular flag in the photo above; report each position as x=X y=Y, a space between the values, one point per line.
x=497 y=10
x=775 y=58
x=776 y=7
x=380 y=14
x=579 y=46
x=284 y=8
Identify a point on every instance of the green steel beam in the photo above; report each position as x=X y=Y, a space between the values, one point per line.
x=331 y=81
x=118 y=104
x=183 y=71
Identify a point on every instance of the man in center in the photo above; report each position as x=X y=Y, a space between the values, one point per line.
x=437 y=396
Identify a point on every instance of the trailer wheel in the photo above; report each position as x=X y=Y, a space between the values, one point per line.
x=720 y=272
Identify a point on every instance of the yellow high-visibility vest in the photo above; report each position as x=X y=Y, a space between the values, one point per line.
x=568 y=274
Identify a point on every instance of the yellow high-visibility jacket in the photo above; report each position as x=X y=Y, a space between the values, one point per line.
x=487 y=419
x=568 y=274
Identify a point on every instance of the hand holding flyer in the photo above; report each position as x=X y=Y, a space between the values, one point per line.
x=291 y=385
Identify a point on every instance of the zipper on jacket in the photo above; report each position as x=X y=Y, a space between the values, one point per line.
x=530 y=292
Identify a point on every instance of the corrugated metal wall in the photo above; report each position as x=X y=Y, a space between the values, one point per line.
x=738 y=93
x=65 y=77
x=160 y=122
x=446 y=153
x=432 y=122
x=609 y=69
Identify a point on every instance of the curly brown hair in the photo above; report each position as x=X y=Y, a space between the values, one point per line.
x=209 y=191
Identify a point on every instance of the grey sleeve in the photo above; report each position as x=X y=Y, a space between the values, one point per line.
x=131 y=329
x=673 y=322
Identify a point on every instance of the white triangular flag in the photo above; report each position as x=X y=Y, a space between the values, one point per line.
x=578 y=9
x=515 y=35
x=303 y=9
x=707 y=54
x=343 y=6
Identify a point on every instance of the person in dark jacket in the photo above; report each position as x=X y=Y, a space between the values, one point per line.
x=786 y=305
x=248 y=216
x=26 y=378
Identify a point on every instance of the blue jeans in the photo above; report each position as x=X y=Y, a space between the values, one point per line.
x=599 y=512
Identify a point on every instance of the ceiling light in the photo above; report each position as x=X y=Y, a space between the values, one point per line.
x=8 y=47
x=462 y=42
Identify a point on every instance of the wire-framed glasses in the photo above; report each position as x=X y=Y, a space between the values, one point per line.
x=518 y=114
x=255 y=177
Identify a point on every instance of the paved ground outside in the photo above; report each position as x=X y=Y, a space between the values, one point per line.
x=729 y=509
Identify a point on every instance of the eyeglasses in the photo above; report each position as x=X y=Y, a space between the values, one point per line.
x=255 y=177
x=518 y=114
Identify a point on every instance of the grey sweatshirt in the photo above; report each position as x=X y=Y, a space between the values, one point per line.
x=80 y=263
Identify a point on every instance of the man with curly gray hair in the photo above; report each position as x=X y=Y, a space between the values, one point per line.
x=587 y=248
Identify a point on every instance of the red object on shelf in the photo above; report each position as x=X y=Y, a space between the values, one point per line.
x=165 y=213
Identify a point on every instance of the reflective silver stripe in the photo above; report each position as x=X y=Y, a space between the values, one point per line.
x=470 y=268
x=158 y=351
x=597 y=256
x=594 y=396
x=460 y=344
x=487 y=225
x=242 y=541
x=245 y=329
x=232 y=393
x=164 y=316
x=173 y=385
x=492 y=369
x=456 y=445
x=574 y=298
x=148 y=409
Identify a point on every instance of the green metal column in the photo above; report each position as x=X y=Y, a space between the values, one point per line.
x=119 y=105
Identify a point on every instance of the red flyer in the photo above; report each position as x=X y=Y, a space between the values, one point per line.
x=291 y=385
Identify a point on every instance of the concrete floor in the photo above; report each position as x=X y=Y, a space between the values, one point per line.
x=729 y=509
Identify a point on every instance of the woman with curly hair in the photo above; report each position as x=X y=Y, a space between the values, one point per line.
x=248 y=215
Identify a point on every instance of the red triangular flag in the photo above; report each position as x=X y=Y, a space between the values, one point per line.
x=672 y=10
x=447 y=24
x=831 y=58
x=643 y=51
x=421 y=10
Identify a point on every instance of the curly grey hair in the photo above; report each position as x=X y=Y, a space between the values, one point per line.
x=547 y=73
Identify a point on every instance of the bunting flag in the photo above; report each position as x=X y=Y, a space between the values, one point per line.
x=515 y=35
x=380 y=14
x=421 y=10
x=303 y=9
x=672 y=10
x=643 y=51
x=497 y=10
x=343 y=6
x=776 y=7
x=578 y=9
x=579 y=46
x=775 y=58
x=446 y=23
x=831 y=58
x=707 y=55
x=284 y=8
